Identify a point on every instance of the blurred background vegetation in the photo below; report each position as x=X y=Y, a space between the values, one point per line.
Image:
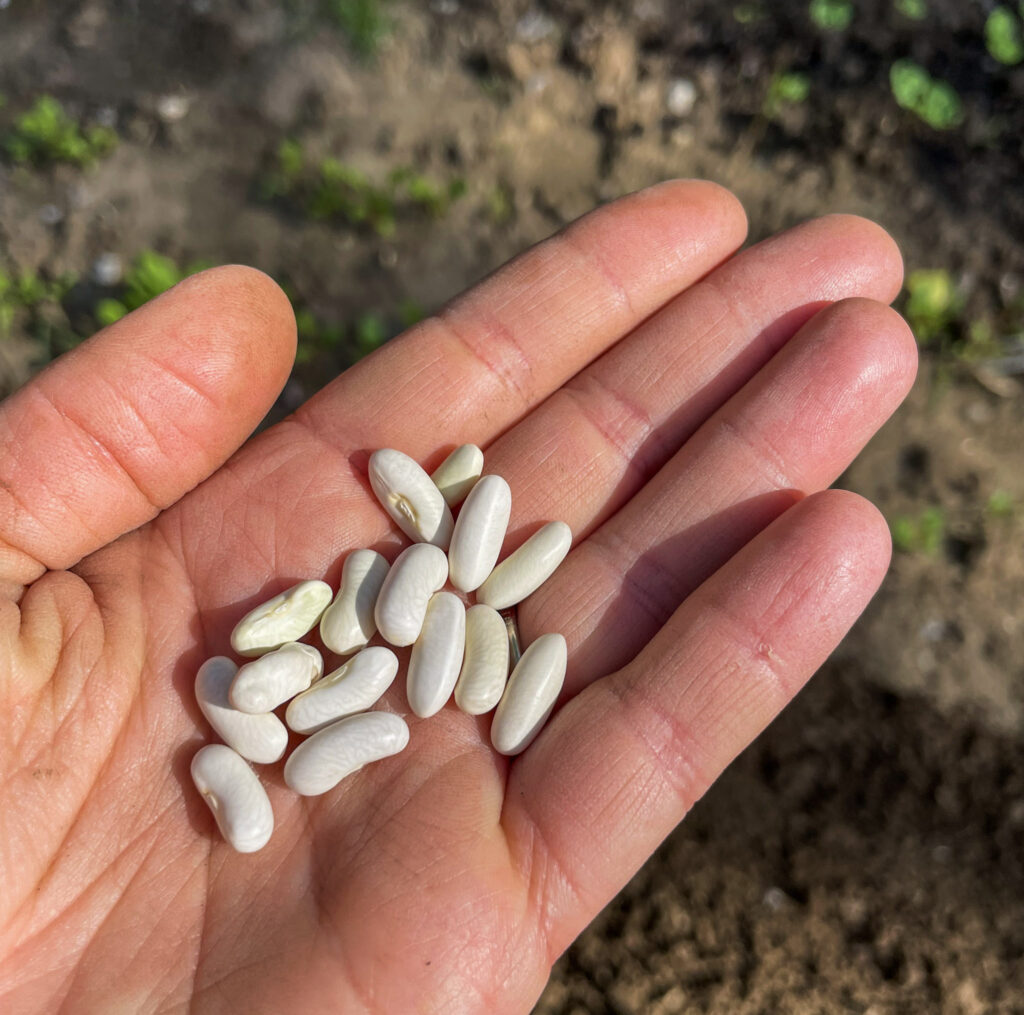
x=377 y=156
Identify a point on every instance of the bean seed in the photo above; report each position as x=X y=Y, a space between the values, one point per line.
x=261 y=738
x=351 y=688
x=286 y=617
x=417 y=573
x=409 y=495
x=530 y=695
x=234 y=794
x=524 y=571
x=485 y=668
x=321 y=762
x=437 y=655
x=347 y=625
x=479 y=532
x=265 y=683
x=458 y=473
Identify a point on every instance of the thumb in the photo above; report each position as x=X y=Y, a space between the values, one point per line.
x=121 y=427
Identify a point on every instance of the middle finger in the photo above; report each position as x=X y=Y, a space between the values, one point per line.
x=585 y=451
x=791 y=430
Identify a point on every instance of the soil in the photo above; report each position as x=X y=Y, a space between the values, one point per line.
x=865 y=855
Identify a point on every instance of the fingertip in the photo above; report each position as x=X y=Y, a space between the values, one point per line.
x=881 y=340
x=853 y=537
x=245 y=325
x=717 y=210
x=252 y=290
x=872 y=246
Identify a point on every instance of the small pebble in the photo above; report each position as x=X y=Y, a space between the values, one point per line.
x=172 y=108
x=681 y=98
x=108 y=269
x=51 y=215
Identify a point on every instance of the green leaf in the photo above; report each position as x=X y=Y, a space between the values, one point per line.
x=1003 y=36
x=107 y=311
x=363 y=22
x=150 y=275
x=923 y=534
x=30 y=289
x=831 y=15
x=915 y=10
x=290 y=158
x=1000 y=504
x=785 y=88
x=909 y=82
x=935 y=102
x=410 y=313
x=932 y=302
x=46 y=134
x=942 y=108
x=306 y=324
x=904 y=531
x=370 y=332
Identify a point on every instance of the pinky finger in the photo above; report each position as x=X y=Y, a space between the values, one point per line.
x=622 y=762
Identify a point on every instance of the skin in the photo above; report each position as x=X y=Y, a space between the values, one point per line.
x=681 y=406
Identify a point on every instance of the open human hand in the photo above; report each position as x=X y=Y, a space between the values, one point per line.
x=681 y=407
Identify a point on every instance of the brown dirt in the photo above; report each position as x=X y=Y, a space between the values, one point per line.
x=866 y=854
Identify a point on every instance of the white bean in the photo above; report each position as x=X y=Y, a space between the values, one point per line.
x=286 y=617
x=437 y=655
x=348 y=623
x=524 y=571
x=261 y=738
x=234 y=794
x=408 y=494
x=458 y=473
x=530 y=696
x=351 y=688
x=265 y=683
x=417 y=573
x=485 y=668
x=321 y=762
x=479 y=532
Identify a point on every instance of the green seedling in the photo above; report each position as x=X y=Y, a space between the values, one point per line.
x=286 y=171
x=981 y=341
x=150 y=275
x=364 y=22
x=915 y=10
x=315 y=336
x=348 y=342
x=785 y=89
x=339 y=191
x=1000 y=504
x=370 y=333
x=831 y=15
x=500 y=205
x=1003 y=37
x=34 y=303
x=28 y=290
x=933 y=303
x=935 y=102
x=334 y=191
x=410 y=313
x=922 y=534
x=45 y=134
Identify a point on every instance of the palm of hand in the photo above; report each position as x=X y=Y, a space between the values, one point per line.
x=446 y=879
